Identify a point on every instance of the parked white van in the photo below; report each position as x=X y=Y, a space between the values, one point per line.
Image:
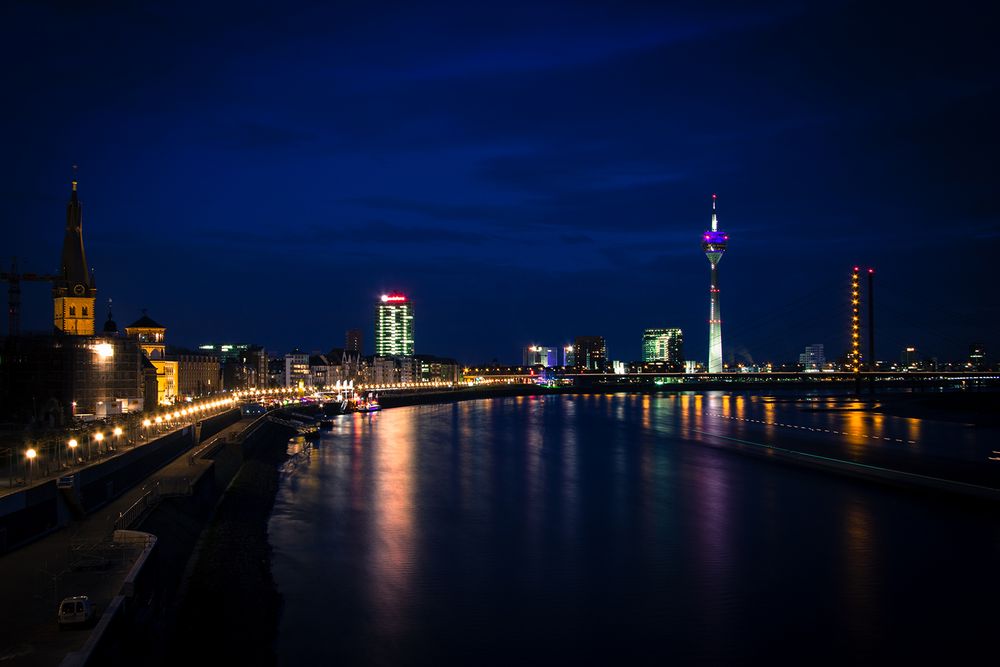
x=77 y=610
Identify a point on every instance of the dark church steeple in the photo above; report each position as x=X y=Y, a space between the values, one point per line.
x=75 y=291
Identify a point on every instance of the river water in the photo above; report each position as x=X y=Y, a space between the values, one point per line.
x=619 y=529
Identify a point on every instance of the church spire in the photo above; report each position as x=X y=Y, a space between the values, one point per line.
x=75 y=289
x=73 y=265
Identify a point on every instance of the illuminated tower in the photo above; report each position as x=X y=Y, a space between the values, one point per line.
x=74 y=292
x=394 y=326
x=714 y=244
x=855 y=355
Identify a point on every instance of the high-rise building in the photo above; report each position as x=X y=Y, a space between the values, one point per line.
x=540 y=355
x=569 y=357
x=590 y=353
x=394 y=326
x=813 y=358
x=664 y=345
x=75 y=291
x=353 y=342
x=714 y=243
x=910 y=357
x=977 y=356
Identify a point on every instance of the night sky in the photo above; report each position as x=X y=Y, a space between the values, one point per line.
x=262 y=172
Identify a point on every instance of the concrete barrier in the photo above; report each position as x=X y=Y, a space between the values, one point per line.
x=99 y=648
x=38 y=510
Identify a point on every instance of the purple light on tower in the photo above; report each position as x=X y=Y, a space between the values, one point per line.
x=714 y=243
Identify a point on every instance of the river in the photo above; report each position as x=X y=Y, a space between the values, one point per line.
x=621 y=529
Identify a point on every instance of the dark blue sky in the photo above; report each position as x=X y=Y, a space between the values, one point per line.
x=527 y=173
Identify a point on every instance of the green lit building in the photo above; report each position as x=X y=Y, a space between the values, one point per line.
x=394 y=326
x=665 y=345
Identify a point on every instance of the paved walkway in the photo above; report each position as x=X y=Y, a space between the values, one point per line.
x=35 y=577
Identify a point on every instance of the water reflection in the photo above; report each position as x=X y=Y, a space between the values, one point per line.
x=393 y=555
x=557 y=530
x=860 y=587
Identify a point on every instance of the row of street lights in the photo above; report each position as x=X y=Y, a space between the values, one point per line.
x=161 y=421
x=172 y=418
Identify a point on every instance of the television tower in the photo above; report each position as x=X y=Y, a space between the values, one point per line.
x=714 y=244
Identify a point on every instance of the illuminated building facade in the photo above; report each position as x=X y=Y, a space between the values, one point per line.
x=813 y=358
x=74 y=292
x=297 y=371
x=540 y=355
x=152 y=340
x=714 y=243
x=439 y=369
x=394 y=326
x=50 y=380
x=590 y=353
x=569 y=356
x=666 y=345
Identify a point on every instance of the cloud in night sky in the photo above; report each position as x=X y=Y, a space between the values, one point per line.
x=527 y=172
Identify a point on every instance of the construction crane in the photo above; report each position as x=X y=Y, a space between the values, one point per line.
x=14 y=279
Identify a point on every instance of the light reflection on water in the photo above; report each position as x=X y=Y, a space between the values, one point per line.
x=587 y=528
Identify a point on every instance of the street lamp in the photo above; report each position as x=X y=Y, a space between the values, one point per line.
x=72 y=448
x=118 y=435
x=31 y=454
x=99 y=438
x=146 y=423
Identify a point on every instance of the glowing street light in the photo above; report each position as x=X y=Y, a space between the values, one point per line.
x=31 y=454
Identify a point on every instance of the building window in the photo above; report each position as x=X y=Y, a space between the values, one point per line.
x=84 y=311
x=72 y=311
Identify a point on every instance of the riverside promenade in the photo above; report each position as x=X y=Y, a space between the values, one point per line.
x=79 y=559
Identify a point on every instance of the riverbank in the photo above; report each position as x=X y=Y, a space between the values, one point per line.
x=228 y=607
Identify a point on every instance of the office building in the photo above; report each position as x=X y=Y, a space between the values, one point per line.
x=297 y=372
x=665 y=345
x=353 y=341
x=590 y=353
x=540 y=355
x=977 y=356
x=813 y=359
x=394 y=326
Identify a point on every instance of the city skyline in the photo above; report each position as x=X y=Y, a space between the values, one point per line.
x=373 y=193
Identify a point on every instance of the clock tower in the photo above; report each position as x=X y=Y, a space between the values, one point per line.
x=75 y=291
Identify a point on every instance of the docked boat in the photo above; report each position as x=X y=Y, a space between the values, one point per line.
x=369 y=404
